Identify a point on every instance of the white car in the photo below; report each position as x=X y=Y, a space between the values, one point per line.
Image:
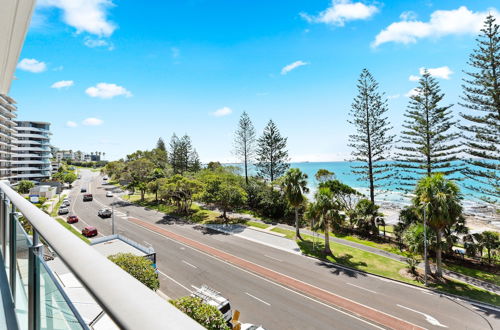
x=109 y=194
x=63 y=210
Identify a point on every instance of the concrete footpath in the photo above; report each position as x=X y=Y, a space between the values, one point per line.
x=277 y=241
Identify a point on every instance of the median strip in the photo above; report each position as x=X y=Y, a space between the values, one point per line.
x=310 y=290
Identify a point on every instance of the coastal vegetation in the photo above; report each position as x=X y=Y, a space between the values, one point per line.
x=428 y=163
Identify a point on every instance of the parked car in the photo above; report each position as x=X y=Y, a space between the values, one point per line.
x=63 y=210
x=89 y=231
x=109 y=194
x=83 y=189
x=105 y=178
x=72 y=219
x=65 y=203
x=105 y=213
x=87 y=197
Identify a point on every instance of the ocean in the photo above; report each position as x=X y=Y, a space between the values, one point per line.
x=392 y=196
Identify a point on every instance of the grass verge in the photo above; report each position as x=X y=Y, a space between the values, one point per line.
x=72 y=229
x=480 y=274
x=375 y=264
x=257 y=224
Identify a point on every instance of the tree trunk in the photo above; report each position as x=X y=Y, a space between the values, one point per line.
x=297 y=229
x=156 y=197
x=142 y=195
x=439 y=272
x=224 y=216
x=327 y=238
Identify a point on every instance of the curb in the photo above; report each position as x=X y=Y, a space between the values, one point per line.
x=471 y=301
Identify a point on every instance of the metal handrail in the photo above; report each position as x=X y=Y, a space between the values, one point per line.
x=129 y=303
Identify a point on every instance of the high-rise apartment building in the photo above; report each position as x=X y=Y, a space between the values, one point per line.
x=31 y=153
x=7 y=131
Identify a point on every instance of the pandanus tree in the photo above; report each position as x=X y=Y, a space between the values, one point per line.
x=294 y=185
x=438 y=203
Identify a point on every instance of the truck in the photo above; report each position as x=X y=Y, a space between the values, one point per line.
x=214 y=298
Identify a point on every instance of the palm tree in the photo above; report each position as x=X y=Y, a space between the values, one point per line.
x=294 y=184
x=440 y=199
x=324 y=211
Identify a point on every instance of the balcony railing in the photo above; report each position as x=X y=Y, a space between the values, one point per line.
x=31 y=295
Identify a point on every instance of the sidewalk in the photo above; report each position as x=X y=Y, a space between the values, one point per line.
x=453 y=275
x=263 y=237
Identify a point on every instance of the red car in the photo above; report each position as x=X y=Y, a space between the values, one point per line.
x=89 y=231
x=72 y=219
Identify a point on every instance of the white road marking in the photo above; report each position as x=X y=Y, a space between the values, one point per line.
x=187 y=263
x=360 y=287
x=262 y=301
x=428 y=318
x=268 y=280
x=182 y=248
x=179 y=284
x=265 y=255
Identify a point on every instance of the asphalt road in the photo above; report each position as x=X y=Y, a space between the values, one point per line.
x=260 y=300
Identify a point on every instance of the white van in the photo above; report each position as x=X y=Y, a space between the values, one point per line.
x=214 y=298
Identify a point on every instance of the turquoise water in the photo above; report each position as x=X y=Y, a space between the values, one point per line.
x=391 y=191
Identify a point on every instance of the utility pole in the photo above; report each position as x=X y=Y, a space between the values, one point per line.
x=113 y=216
x=425 y=249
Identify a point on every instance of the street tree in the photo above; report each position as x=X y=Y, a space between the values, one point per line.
x=272 y=155
x=24 y=186
x=224 y=191
x=139 y=267
x=69 y=178
x=244 y=142
x=294 y=185
x=138 y=173
x=481 y=125
x=428 y=142
x=438 y=200
x=372 y=140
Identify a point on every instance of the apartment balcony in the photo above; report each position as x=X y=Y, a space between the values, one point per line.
x=36 y=149
x=27 y=130
x=33 y=298
x=30 y=136
x=34 y=162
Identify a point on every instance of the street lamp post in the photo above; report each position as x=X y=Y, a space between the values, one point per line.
x=113 y=216
x=425 y=249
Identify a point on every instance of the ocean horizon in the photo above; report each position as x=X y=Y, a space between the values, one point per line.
x=391 y=195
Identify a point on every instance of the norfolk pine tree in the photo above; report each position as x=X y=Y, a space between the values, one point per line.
x=481 y=100
x=428 y=143
x=372 y=140
x=272 y=156
x=244 y=142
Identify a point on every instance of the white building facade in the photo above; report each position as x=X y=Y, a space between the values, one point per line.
x=31 y=158
x=7 y=131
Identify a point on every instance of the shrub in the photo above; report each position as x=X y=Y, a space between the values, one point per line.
x=411 y=265
x=139 y=267
x=207 y=315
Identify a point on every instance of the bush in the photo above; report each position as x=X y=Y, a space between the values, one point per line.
x=139 y=267
x=207 y=315
x=411 y=265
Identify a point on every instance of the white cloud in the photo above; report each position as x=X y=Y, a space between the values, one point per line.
x=32 y=65
x=225 y=111
x=342 y=11
x=107 y=91
x=459 y=21
x=85 y=15
x=93 y=43
x=59 y=68
x=293 y=66
x=92 y=121
x=71 y=124
x=442 y=72
x=393 y=96
x=63 y=84
x=412 y=92
x=413 y=77
x=408 y=15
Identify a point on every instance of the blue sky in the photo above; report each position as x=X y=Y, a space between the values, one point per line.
x=114 y=76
